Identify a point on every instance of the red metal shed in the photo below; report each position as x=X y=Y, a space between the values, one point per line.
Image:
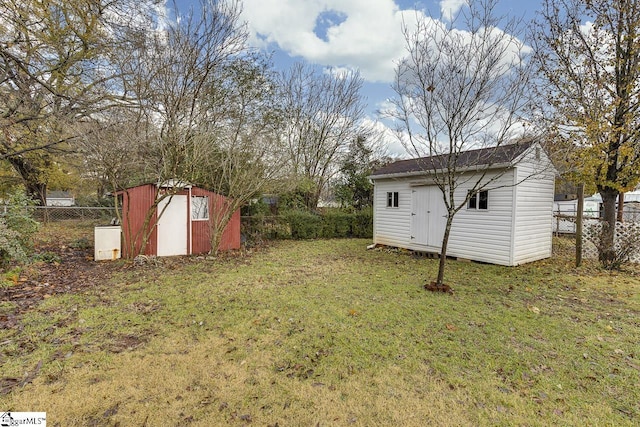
x=184 y=225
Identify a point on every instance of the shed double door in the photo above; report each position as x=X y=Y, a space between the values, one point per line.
x=428 y=216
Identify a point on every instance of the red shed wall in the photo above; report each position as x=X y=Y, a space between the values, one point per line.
x=201 y=230
x=231 y=236
x=136 y=202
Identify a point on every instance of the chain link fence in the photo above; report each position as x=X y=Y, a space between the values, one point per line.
x=47 y=214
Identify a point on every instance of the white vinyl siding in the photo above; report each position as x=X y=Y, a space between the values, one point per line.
x=392 y=226
x=480 y=235
x=533 y=212
x=484 y=235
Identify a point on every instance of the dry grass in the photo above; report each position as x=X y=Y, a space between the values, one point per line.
x=69 y=231
x=327 y=333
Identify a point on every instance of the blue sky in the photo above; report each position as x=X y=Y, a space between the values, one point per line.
x=353 y=34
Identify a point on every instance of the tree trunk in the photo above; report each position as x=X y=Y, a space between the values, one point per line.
x=311 y=199
x=29 y=173
x=443 y=251
x=38 y=192
x=620 y=217
x=607 y=250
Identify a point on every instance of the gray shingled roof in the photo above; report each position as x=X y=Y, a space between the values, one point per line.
x=59 y=195
x=502 y=155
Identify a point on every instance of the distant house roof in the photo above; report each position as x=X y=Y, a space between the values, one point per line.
x=59 y=195
x=632 y=196
x=496 y=156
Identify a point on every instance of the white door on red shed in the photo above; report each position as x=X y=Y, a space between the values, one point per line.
x=172 y=226
x=428 y=216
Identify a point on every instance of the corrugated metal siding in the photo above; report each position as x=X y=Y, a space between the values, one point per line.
x=534 y=211
x=201 y=240
x=231 y=236
x=201 y=229
x=135 y=205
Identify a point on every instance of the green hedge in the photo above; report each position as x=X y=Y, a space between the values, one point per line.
x=305 y=225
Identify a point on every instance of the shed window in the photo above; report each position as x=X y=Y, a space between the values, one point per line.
x=392 y=199
x=199 y=207
x=479 y=200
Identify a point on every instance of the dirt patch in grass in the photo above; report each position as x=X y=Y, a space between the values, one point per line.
x=66 y=270
x=62 y=265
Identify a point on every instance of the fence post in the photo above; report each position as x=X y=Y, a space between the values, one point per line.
x=579 y=213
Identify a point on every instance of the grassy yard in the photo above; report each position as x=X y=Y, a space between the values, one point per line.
x=308 y=333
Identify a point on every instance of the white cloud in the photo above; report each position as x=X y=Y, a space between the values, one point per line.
x=367 y=36
x=354 y=34
x=450 y=8
x=390 y=141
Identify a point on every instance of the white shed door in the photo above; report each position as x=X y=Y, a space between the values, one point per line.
x=428 y=216
x=172 y=226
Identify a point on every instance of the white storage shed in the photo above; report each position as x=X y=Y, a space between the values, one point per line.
x=508 y=223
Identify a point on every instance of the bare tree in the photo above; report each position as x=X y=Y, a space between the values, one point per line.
x=117 y=150
x=238 y=150
x=179 y=64
x=55 y=69
x=461 y=90
x=589 y=55
x=213 y=104
x=322 y=113
x=173 y=71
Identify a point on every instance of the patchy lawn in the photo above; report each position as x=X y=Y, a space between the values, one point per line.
x=328 y=333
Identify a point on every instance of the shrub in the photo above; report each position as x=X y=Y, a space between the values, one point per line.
x=81 y=243
x=48 y=257
x=256 y=229
x=336 y=224
x=362 y=224
x=304 y=225
x=18 y=217
x=16 y=228
x=10 y=247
